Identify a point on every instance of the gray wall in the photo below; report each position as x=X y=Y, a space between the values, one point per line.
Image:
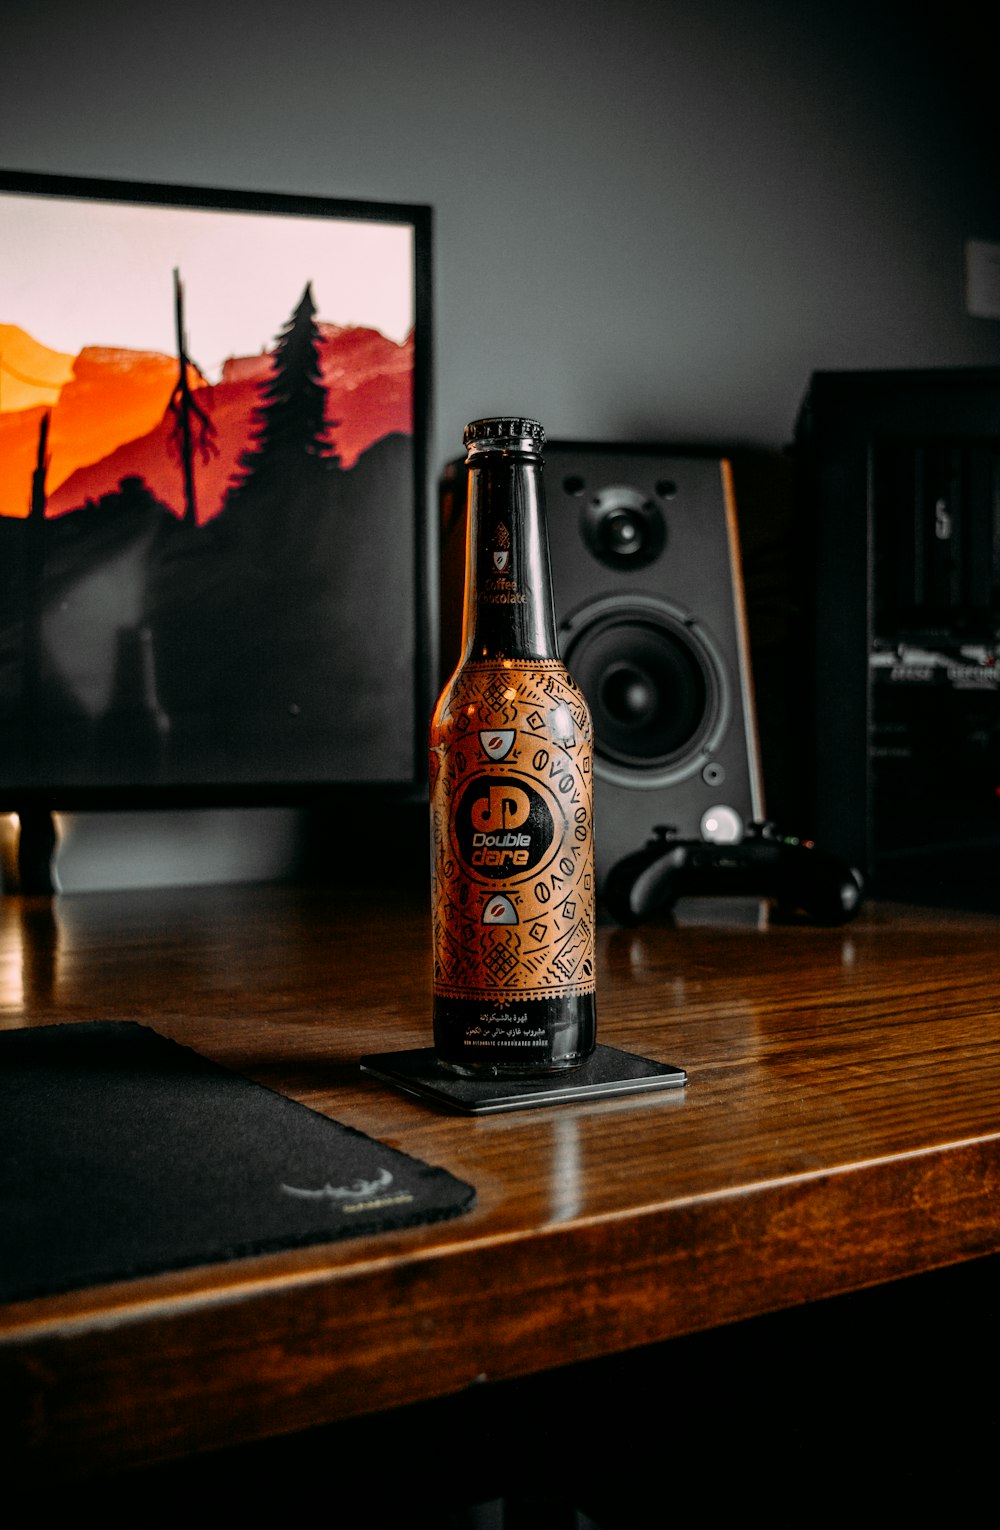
x=652 y=220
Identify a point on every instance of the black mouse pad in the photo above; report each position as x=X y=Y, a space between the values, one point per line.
x=606 y=1072
x=123 y=1153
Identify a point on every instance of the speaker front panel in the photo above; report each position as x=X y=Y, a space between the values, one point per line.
x=649 y=605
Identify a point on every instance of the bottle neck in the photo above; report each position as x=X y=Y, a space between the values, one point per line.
x=508 y=584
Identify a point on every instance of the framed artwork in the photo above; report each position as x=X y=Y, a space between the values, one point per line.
x=213 y=469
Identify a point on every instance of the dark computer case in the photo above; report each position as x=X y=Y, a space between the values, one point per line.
x=898 y=505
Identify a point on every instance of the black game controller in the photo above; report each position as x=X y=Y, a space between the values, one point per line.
x=764 y=864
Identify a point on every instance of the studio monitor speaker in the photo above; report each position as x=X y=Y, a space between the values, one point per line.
x=650 y=610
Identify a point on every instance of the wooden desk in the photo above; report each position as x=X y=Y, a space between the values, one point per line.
x=841 y=1128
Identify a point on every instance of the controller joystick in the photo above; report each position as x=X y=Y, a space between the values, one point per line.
x=766 y=864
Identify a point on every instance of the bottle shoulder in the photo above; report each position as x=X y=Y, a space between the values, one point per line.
x=508 y=663
x=493 y=678
x=535 y=695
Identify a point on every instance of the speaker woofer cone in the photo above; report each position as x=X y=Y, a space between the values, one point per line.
x=655 y=689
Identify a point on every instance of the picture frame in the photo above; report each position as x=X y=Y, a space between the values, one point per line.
x=214 y=556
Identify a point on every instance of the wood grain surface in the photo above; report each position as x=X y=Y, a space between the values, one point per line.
x=841 y=1128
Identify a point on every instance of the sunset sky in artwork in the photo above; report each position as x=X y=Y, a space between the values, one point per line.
x=78 y=274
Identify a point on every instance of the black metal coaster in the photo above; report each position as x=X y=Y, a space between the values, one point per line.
x=607 y=1072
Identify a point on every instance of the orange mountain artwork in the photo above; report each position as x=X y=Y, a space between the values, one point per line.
x=209 y=491
x=110 y=415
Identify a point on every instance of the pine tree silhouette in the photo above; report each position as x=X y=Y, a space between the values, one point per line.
x=291 y=428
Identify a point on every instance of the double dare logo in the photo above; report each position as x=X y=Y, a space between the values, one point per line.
x=503 y=826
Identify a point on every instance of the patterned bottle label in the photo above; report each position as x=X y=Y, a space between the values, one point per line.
x=512 y=818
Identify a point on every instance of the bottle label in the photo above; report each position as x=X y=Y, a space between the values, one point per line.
x=497 y=585
x=512 y=818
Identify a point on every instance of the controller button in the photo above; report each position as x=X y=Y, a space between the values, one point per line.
x=721 y=825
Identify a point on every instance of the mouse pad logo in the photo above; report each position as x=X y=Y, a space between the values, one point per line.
x=503 y=826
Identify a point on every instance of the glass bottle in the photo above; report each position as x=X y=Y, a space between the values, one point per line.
x=511 y=794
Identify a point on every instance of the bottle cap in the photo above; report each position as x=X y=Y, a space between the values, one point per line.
x=503 y=433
